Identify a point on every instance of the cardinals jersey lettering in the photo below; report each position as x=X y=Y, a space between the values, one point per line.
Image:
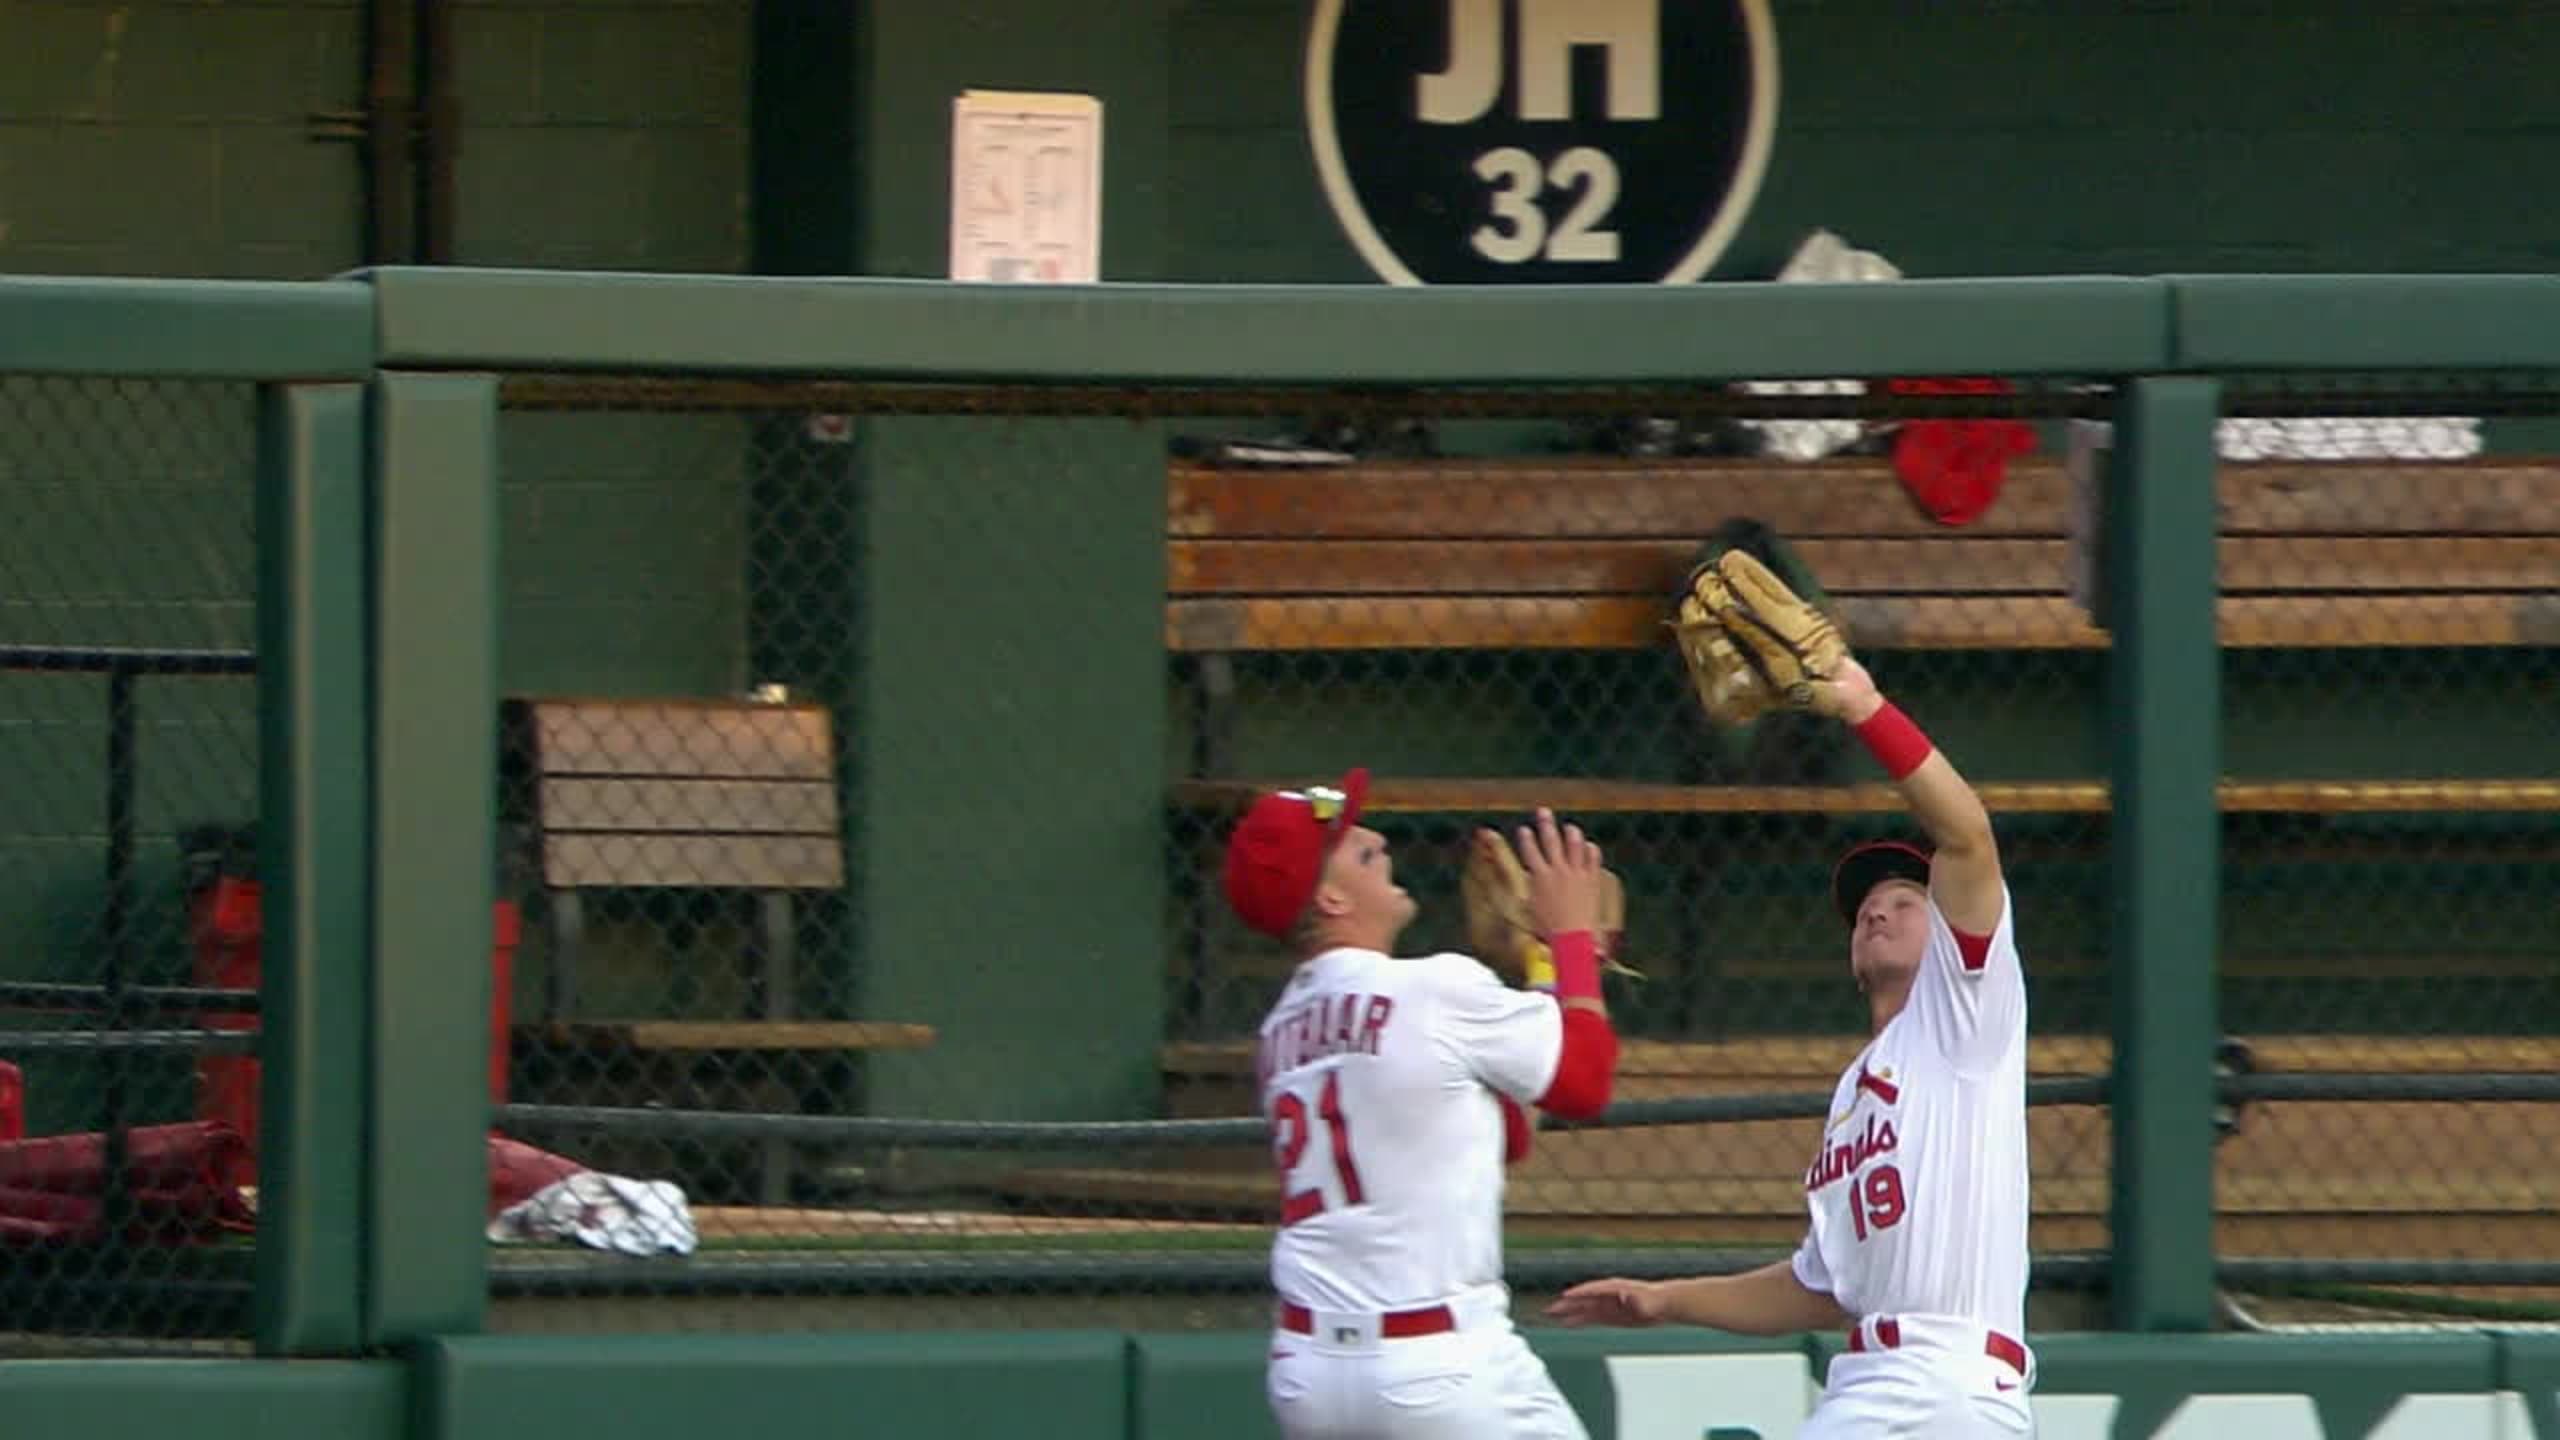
x=1919 y=1189
x=1378 y=1078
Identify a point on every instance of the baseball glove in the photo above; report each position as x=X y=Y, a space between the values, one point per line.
x=1751 y=643
x=1494 y=888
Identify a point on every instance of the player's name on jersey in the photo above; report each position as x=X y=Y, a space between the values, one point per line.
x=1837 y=1161
x=1325 y=1026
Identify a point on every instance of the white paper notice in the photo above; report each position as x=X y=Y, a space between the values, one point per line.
x=1026 y=188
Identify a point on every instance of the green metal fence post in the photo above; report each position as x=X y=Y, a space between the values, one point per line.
x=2165 y=694
x=315 y=801
x=435 y=716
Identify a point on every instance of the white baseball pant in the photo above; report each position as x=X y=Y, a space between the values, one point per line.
x=1920 y=1377
x=1371 y=1377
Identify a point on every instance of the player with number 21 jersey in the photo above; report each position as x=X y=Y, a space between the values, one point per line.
x=1396 y=1090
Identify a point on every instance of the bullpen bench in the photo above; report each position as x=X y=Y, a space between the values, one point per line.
x=1549 y=555
x=1585 y=554
x=2358 y=1178
x=1453 y=583
x=727 y=801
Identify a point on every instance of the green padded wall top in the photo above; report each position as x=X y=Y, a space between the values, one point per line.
x=2366 y=322
x=201 y=329
x=1071 y=1384
x=1353 y=334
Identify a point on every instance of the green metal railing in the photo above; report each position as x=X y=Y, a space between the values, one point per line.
x=384 y=427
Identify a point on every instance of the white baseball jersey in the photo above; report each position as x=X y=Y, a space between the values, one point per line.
x=1919 y=1188
x=1378 y=1079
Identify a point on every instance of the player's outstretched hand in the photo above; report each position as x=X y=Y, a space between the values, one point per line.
x=1564 y=875
x=1609 y=1302
x=1850 y=694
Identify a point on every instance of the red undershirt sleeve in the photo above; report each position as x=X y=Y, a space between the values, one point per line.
x=1973 y=950
x=1584 y=1069
x=1517 y=1133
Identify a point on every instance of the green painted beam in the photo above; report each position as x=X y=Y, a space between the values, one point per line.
x=315 y=799
x=436 y=757
x=207 y=1399
x=955 y=510
x=1345 y=335
x=2529 y=1363
x=1182 y=1386
x=2165 y=687
x=186 y=329
x=2366 y=322
x=2350 y=1382
x=682 y=1387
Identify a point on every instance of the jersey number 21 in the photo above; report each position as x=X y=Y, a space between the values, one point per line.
x=1292 y=1134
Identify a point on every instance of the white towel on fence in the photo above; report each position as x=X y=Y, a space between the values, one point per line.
x=606 y=1212
x=1823 y=256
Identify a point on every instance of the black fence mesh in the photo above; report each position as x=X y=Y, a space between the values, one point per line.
x=129 y=929
x=2391 y=558
x=710 y=1094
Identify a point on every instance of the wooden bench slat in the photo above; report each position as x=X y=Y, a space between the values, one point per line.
x=2373 y=797
x=694 y=740
x=711 y=1035
x=2466 y=564
x=1913 y=622
x=2050 y=1195
x=1601 y=622
x=1724 y=1197
x=2318 y=966
x=1601 y=498
x=2406 y=1054
x=1636 y=797
x=1957 y=563
x=1605 y=622
x=745 y=862
x=2261 y=622
x=1773 y=1062
x=1261 y=965
x=2067 y=797
x=804 y=807
x=2416 y=497
x=1594 y=499
x=1640 y=568
x=1779 y=1062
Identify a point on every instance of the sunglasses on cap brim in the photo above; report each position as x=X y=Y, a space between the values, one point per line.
x=1323 y=801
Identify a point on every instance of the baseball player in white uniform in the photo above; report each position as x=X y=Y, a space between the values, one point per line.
x=1395 y=1090
x=1918 y=1190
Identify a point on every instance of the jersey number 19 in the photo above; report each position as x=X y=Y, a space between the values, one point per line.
x=1876 y=1201
x=1291 y=1131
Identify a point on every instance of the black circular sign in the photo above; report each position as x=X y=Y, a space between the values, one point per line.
x=1541 y=141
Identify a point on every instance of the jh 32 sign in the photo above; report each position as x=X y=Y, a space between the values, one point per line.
x=1541 y=141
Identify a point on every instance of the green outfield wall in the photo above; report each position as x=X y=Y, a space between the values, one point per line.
x=379 y=474
x=1101 y=1385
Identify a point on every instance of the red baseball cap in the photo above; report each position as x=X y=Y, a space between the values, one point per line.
x=1869 y=865
x=1278 y=850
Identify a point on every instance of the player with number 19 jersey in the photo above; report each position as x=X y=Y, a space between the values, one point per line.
x=1378 y=1077
x=1919 y=1189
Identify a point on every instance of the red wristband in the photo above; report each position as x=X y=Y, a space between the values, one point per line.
x=1577 y=957
x=1896 y=743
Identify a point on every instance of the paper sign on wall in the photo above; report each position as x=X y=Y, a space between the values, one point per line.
x=1026 y=187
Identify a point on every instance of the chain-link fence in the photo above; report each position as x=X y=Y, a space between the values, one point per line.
x=129 y=969
x=2390 y=560
x=1464 y=591
x=705 y=1001
x=868 y=750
